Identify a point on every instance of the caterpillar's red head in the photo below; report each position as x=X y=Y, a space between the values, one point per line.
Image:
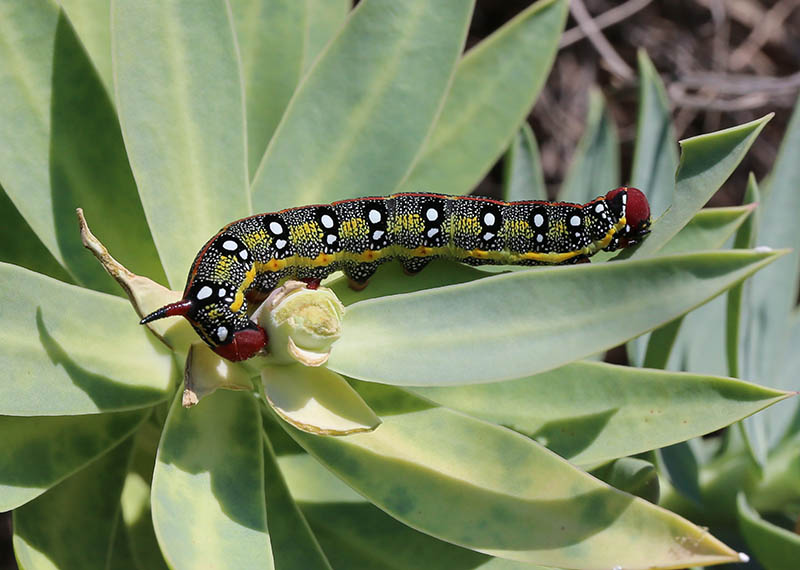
x=240 y=344
x=637 y=214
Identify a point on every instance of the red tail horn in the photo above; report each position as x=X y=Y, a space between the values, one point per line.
x=177 y=309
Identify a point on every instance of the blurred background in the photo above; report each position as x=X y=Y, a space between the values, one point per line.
x=724 y=62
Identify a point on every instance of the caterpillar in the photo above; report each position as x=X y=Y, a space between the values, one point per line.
x=249 y=257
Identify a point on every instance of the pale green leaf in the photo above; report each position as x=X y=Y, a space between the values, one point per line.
x=590 y=412
x=709 y=228
x=679 y=465
x=489 y=489
x=316 y=400
x=181 y=106
x=208 y=486
x=594 y=169
x=775 y=548
x=706 y=162
x=495 y=86
x=294 y=545
x=323 y=20
x=73 y=524
x=360 y=116
x=526 y=322
x=271 y=35
x=61 y=147
x=73 y=351
x=92 y=22
x=38 y=452
x=523 y=178
x=655 y=156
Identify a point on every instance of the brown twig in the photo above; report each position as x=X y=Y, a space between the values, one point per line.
x=603 y=21
x=761 y=33
x=615 y=63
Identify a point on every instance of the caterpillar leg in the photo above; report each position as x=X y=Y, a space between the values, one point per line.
x=358 y=274
x=311 y=282
x=413 y=265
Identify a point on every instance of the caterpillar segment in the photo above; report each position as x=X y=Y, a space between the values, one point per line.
x=248 y=258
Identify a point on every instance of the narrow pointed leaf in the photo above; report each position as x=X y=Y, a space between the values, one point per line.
x=316 y=400
x=323 y=20
x=775 y=548
x=495 y=86
x=80 y=514
x=38 y=452
x=706 y=162
x=595 y=165
x=361 y=114
x=526 y=322
x=181 y=107
x=92 y=22
x=523 y=178
x=710 y=228
x=63 y=350
x=655 y=156
x=206 y=372
x=294 y=545
x=271 y=35
x=589 y=412
x=679 y=465
x=61 y=146
x=21 y=246
x=208 y=486
x=660 y=344
x=427 y=461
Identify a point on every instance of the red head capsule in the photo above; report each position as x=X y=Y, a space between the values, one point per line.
x=637 y=214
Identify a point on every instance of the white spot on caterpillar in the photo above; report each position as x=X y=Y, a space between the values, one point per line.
x=624 y=198
x=377 y=234
x=539 y=238
x=230 y=245
x=488 y=219
x=487 y=236
x=280 y=244
x=374 y=216
x=244 y=255
x=330 y=238
x=575 y=221
x=538 y=220
x=204 y=292
x=222 y=292
x=432 y=232
x=275 y=228
x=327 y=221
x=599 y=208
x=222 y=334
x=432 y=214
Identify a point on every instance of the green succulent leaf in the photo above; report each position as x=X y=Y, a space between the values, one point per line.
x=92 y=22
x=271 y=35
x=706 y=162
x=632 y=475
x=294 y=545
x=523 y=178
x=38 y=452
x=655 y=156
x=375 y=119
x=708 y=229
x=181 y=106
x=62 y=148
x=679 y=464
x=80 y=515
x=526 y=322
x=776 y=548
x=323 y=20
x=495 y=85
x=208 y=486
x=63 y=350
x=595 y=165
x=590 y=412
x=21 y=245
x=504 y=494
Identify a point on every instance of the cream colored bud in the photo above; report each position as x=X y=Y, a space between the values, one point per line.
x=301 y=323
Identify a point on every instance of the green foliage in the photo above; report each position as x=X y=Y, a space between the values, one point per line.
x=164 y=121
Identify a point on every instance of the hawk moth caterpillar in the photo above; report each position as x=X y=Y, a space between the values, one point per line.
x=249 y=257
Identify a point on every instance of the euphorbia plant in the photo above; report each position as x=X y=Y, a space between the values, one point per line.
x=179 y=120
